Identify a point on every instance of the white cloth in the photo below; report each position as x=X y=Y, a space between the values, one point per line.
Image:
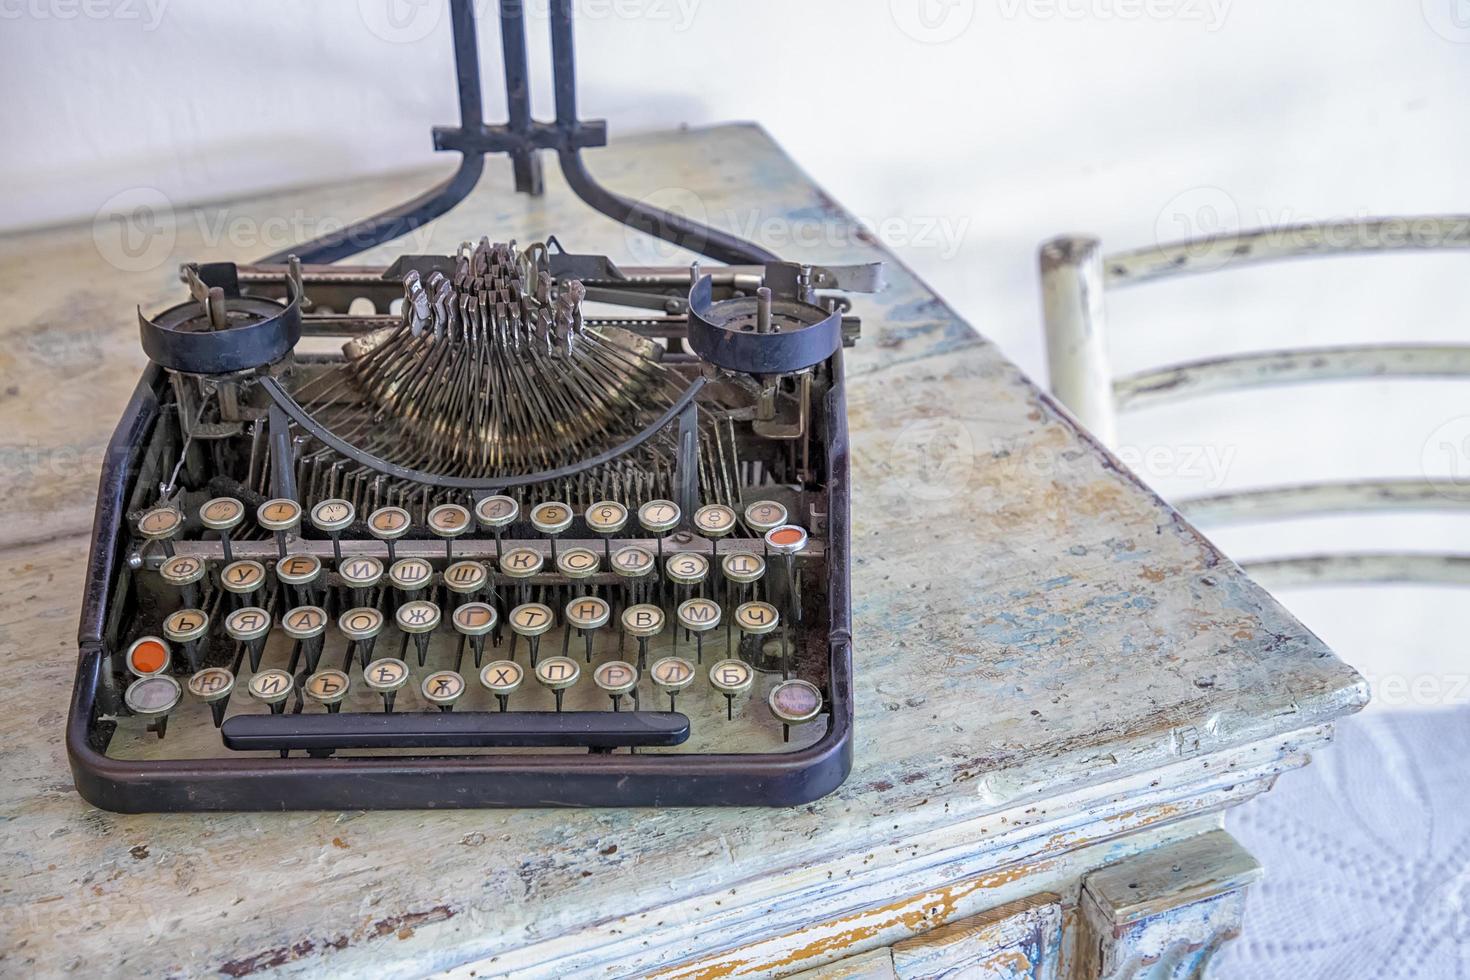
x=1367 y=856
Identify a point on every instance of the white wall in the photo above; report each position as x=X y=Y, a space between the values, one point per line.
x=967 y=131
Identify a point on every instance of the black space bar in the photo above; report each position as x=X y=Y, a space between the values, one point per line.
x=456 y=729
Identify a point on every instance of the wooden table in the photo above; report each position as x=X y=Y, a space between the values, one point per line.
x=1061 y=686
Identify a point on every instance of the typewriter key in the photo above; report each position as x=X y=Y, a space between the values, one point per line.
x=222 y=514
x=442 y=688
x=148 y=655
x=153 y=697
x=251 y=626
x=764 y=515
x=327 y=687
x=633 y=564
x=520 y=564
x=658 y=517
x=410 y=576
x=688 y=568
x=643 y=621
x=551 y=519
x=558 y=674
x=271 y=686
x=741 y=569
x=465 y=578
x=305 y=625
x=243 y=578
x=386 y=676
x=714 y=521
x=184 y=572
x=300 y=573
x=794 y=702
x=501 y=678
x=606 y=518
x=759 y=619
x=578 y=563
x=388 y=524
x=161 y=524
x=531 y=620
x=280 y=516
x=786 y=541
x=497 y=513
x=185 y=627
x=698 y=616
x=616 y=678
x=418 y=619
x=473 y=620
x=361 y=626
x=586 y=614
x=449 y=521
x=213 y=685
x=731 y=677
x=332 y=517
x=360 y=573
x=671 y=675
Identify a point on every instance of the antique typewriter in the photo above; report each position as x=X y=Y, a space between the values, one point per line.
x=511 y=526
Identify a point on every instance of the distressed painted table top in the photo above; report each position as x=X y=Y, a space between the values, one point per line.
x=1031 y=626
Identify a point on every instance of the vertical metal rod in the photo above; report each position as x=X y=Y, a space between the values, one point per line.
x=526 y=163
x=467 y=61
x=1075 y=322
x=283 y=463
x=563 y=62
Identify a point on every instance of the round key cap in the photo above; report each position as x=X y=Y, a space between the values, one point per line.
x=521 y=562
x=299 y=571
x=501 y=678
x=148 y=655
x=731 y=677
x=577 y=562
x=764 y=515
x=242 y=577
x=333 y=516
x=410 y=574
x=362 y=623
x=152 y=696
x=756 y=618
x=474 y=618
x=418 y=616
x=743 y=567
x=795 y=702
x=497 y=512
x=449 y=520
x=698 y=615
x=466 y=577
x=632 y=561
x=686 y=568
x=643 y=620
x=360 y=572
x=270 y=686
x=442 y=688
x=659 y=516
x=787 y=539
x=558 y=673
x=304 y=622
x=386 y=675
x=551 y=517
x=160 y=523
x=389 y=523
x=531 y=619
x=222 y=513
x=279 y=514
x=185 y=625
x=714 y=520
x=249 y=623
x=212 y=684
x=181 y=570
x=671 y=674
x=588 y=612
x=606 y=517
x=615 y=678
x=326 y=687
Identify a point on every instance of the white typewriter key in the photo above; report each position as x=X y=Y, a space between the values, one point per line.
x=183 y=572
x=213 y=685
x=633 y=565
x=386 y=676
x=671 y=675
x=442 y=688
x=586 y=614
x=520 y=564
x=153 y=697
x=449 y=521
x=658 y=517
x=185 y=627
x=223 y=514
x=606 y=518
x=617 y=678
x=361 y=626
x=328 y=688
x=643 y=621
x=497 y=513
x=759 y=619
x=388 y=524
x=243 y=578
x=764 y=515
x=161 y=524
x=730 y=678
x=501 y=678
x=794 y=702
x=687 y=570
x=698 y=616
x=250 y=625
x=578 y=563
x=410 y=575
x=305 y=625
x=271 y=686
x=466 y=578
x=531 y=620
x=551 y=519
x=280 y=516
x=558 y=674
x=418 y=619
x=302 y=574
x=332 y=517
x=146 y=656
x=360 y=573
x=472 y=620
x=714 y=521
x=742 y=567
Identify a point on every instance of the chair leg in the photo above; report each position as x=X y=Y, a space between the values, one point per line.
x=1075 y=320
